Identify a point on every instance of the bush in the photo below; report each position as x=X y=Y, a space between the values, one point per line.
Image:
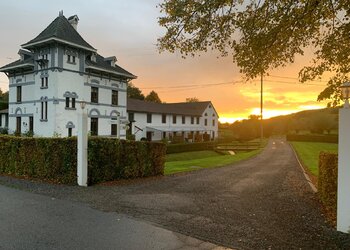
x=327 y=179
x=188 y=147
x=55 y=159
x=313 y=138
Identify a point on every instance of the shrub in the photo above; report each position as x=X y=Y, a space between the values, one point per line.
x=313 y=138
x=188 y=147
x=327 y=179
x=55 y=159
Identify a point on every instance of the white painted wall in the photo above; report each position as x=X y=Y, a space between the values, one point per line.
x=58 y=115
x=141 y=122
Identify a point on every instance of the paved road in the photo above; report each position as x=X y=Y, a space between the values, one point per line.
x=261 y=203
x=31 y=221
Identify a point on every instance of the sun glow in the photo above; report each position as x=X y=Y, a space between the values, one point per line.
x=267 y=113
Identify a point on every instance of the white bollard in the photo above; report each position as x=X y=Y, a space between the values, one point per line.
x=82 y=167
x=343 y=203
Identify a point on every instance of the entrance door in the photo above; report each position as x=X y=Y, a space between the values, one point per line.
x=18 y=125
x=149 y=136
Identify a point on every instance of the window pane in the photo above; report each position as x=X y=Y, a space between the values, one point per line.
x=94 y=126
x=73 y=103
x=67 y=102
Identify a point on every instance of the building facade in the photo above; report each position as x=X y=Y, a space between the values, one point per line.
x=197 y=121
x=57 y=72
x=4 y=119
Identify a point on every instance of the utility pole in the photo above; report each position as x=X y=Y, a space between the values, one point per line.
x=261 y=108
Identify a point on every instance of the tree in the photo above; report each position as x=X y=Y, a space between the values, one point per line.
x=4 y=99
x=192 y=99
x=134 y=92
x=153 y=97
x=262 y=35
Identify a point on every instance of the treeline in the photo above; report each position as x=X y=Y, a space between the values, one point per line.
x=324 y=121
x=4 y=99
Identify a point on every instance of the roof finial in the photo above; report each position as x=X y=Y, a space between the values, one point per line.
x=60 y=13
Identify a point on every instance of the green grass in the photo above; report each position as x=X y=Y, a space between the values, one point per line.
x=308 y=153
x=189 y=161
x=190 y=155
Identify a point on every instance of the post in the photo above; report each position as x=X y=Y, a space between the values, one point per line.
x=261 y=108
x=82 y=168
x=118 y=127
x=343 y=206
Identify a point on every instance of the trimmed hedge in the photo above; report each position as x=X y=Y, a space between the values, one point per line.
x=55 y=159
x=328 y=179
x=188 y=147
x=313 y=138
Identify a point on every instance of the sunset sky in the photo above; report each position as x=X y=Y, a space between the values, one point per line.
x=129 y=30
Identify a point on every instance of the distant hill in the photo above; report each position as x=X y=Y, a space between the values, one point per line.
x=321 y=121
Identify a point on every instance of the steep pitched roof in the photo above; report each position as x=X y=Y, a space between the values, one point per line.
x=102 y=64
x=60 y=29
x=18 y=63
x=181 y=108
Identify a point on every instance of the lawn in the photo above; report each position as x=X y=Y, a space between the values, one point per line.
x=308 y=153
x=189 y=161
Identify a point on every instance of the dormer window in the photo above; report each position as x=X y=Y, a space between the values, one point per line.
x=70 y=59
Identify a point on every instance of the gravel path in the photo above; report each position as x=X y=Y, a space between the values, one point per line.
x=261 y=203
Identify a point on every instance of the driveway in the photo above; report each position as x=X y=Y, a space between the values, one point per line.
x=261 y=203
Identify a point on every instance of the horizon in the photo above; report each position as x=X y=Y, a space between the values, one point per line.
x=132 y=32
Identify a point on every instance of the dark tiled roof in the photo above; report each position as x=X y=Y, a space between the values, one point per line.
x=4 y=111
x=18 y=63
x=60 y=28
x=101 y=63
x=182 y=108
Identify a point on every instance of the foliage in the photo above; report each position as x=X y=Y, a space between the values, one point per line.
x=313 y=138
x=188 y=147
x=4 y=100
x=328 y=180
x=55 y=158
x=4 y=131
x=262 y=35
x=192 y=99
x=153 y=97
x=134 y=92
x=308 y=153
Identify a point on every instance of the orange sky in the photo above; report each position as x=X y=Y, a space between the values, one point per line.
x=129 y=31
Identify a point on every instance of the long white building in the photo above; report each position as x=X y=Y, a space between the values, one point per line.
x=57 y=70
x=188 y=121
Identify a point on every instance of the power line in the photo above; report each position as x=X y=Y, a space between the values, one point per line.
x=293 y=78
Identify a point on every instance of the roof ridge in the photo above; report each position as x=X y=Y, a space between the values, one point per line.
x=60 y=28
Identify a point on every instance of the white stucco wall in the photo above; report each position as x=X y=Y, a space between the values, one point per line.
x=141 y=122
x=61 y=81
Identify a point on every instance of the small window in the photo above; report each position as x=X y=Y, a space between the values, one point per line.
x=183 y=119
x=73 y=103
x=174 y=119
x=163 y=118
x=94 y=94
x=213 y=122
x=205 y=122
x=70 y=132
x=164 y=135
x=73 y=59
x=205 y=114
x=19 y=94
x=94 y=126
x=18 y=125
x=149 y=118
x=197 y=120
x=68 y=58
x=44 y=111
x=131 y=117
x=114 y=97
x=192 y=120
x=67 y=102
x=46 y=82
x=113 y=129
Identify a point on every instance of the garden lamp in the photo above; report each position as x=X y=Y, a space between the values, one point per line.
x=345 y=92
